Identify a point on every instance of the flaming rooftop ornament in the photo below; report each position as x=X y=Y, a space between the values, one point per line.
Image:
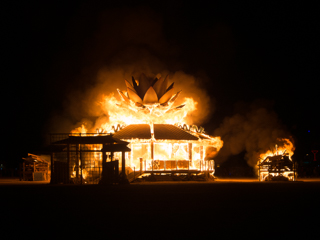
x=150 y=95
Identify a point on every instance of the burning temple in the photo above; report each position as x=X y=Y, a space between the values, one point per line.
x=145 y=135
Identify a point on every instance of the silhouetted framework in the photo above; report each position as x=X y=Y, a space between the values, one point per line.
x=277 y=168
x=88 y=159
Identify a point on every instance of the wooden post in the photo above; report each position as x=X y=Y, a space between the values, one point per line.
x=141 y=165
x=259 y=172
x=123 y=165
x=134 y=173
x=294 y=171
x=51 y=167
x=24 y=171
x=104 y=160
x=81 y=163
x=152 y=155
x=190 y=154
x=68 y=162
x=207 y=169
x=104 y=156
x=34 y=170
x=77 y=162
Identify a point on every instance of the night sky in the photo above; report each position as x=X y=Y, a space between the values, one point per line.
x=241 y=54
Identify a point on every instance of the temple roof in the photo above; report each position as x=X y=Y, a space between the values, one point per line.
x=171 y=132
x=141 y=131
x=90 y=140
x=161 y=132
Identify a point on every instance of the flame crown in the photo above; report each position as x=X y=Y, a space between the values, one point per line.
x=150 y=93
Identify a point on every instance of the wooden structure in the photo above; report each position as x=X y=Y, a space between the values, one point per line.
x=35 y=168
x=277 y=168
x=167 y=149
x=83 y=159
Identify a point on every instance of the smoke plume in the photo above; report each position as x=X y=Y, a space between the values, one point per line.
x=254 y=128
x=123 y=43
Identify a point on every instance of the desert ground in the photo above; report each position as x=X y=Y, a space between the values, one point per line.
x=224 y=208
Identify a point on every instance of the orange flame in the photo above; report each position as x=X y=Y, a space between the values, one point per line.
x=168 y=154
x=81 y=130
x=118 y=114
x=285 y=147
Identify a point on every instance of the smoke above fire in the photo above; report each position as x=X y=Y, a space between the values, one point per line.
x=123 y=43
x=97 y=107
x=255 y=129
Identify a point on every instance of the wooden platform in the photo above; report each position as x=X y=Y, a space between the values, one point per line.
x=175 y=171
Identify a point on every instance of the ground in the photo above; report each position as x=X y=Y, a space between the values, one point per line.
x=228 y=208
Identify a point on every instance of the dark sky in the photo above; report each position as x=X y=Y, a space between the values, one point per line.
x=240 y=52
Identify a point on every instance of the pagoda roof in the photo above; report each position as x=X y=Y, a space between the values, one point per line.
x=171 y=132
x=141 y=131
x=108 y=139
x=161 y=132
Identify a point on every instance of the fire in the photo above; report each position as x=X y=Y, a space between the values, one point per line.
x=152 y=102
x=285 y=147
x=118 y=114
x=145 y=101
x=277 y=165
x=81 y=130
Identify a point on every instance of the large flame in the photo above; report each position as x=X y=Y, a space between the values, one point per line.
x=152 y=102
x=118 y=114
x=145 y=101
x=284 y=146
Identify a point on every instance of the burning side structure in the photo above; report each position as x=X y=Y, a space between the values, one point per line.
x=277 y=166
x=145 y=134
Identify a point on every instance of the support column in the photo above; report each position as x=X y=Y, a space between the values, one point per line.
x=152 y=155
x=104 y=160
x=190 y=154
x=140 y=165
x=51 y=167
x=77 y=162
x=152 y=159
x=104 y=157
x=103 y=179
x=259 y=171
x=124 y=179
x=34 y=169
x=81 y=163
x=68 y=163
x=24 y=171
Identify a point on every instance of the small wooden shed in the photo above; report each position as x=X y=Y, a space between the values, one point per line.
x=35 y=168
